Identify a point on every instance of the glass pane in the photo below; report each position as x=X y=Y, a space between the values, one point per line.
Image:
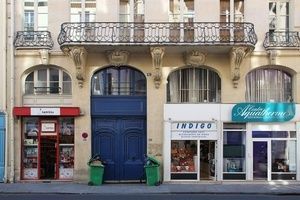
x=273 y=134
x=238 y=10
x=283 y=156
x=184 y=156
x=54 y=81
x=140 y=84
x=207 y=160
x=112 y=82
x=66 y=130
x=125 y=84
x=260 y=160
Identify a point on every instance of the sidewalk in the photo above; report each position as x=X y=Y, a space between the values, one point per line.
x=276 y=188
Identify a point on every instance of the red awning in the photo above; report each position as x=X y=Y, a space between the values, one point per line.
x=46 y=111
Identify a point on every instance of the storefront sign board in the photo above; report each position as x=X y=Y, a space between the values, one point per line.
x=45 y=111
x=194 y=131
x=263 y=112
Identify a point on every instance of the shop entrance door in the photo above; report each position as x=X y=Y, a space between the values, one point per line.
x=48 y=157
x=261 y=160
x=207 y=160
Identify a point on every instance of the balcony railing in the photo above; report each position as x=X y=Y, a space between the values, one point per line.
x=33 y=39
x=197 y=33
x=282 y=39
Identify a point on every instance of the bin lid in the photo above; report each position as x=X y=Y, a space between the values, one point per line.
x=152 y=159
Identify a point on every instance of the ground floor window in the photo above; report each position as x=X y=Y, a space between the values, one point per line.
x=234 y=142
x=274 y=155
x=47 y=148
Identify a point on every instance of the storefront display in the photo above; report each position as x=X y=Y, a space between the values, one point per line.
x=40 y=139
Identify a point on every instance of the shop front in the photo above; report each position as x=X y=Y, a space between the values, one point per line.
x=47 y=142
x=2 y=145
x=231 y=142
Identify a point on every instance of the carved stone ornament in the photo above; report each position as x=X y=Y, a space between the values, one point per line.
x=157 y=54
x=44 y=53
x=273 y=55
x=118 y=57
x=237 y=56
x=79 y=56
x=195 y=58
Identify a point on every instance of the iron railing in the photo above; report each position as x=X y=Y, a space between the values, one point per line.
x=282 y=39
x=33 y=39
x=196 y=33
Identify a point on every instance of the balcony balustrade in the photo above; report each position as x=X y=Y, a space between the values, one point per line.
x=33 y=40
x=282 y=39
x=139 y=34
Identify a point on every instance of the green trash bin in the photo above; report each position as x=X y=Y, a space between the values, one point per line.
x=96 y=171
x=152 y=172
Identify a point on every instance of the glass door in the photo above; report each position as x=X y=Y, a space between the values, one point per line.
x=260 y=160
x=207 y=160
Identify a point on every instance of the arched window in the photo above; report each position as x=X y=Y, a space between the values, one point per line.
x=263 y=85
x=48 y=81
x=192 y=85
x=119 y=81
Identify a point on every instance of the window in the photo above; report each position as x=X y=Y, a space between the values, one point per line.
x=83 y=10
x=181 y=11
x=48 y=81
x=264 y=85
x=35 y=15
x=192 y=85
x=119 y=81
x=278 y=15
x=234 y=141
x=231 y=10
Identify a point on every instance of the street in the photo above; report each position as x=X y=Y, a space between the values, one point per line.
x=144 y=197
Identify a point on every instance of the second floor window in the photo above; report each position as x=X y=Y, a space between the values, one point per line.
x=193 y=85
x=278 y=15
x=131 y=11
x=265 y=85
x=83 y=10
x=231 y=10
x=181 y=11
x=48 y=81
x=35 y=15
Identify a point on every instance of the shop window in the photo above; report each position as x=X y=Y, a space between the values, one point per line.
x=283 y=160
x=48 y=81
x=119 y=81
x=269 y=85
x=193 y=85
x=30 y=148
x=66 y=148
x=184 y=159
x=234 y=141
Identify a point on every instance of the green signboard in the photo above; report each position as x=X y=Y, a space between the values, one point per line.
x=263 y=112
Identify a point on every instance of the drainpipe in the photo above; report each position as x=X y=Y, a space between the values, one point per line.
x=12 y=92
x=4 y=97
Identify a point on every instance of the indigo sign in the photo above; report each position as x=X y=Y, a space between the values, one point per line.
x=263 y=112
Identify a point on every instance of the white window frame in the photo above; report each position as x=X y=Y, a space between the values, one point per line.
x=278 y=14
x=84 y=13
x=34 y=9
x=60 y=81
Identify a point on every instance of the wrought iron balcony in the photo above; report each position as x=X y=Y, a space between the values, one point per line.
x=33 y=39
x=137 y=34
x=282 y=39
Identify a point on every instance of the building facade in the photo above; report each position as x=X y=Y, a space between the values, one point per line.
x=209 y=88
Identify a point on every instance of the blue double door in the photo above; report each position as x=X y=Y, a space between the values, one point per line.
x=121 y=143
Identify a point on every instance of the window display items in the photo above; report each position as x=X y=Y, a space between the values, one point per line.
x=183 y=156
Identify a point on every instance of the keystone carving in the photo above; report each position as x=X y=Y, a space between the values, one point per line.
x=79 y=56
x=157 y=54
x=118 y=57
x=44 y=53
x=272 y=58
x=194 y=58
x=237 y=56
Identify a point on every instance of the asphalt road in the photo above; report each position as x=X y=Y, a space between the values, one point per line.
x=144 y=197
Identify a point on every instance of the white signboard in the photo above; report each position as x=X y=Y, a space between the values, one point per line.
x=194 y=131
x=45 y=111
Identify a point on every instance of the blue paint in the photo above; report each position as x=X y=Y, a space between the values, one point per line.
x=263 y=112
x=2 y=145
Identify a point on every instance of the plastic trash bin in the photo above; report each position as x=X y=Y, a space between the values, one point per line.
x=152 y=171
x=96 y=171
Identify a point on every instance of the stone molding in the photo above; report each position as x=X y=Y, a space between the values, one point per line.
x=157 y=54
x=117 y=57
x=194 y=58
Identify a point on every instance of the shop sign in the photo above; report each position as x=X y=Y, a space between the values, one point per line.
x=45 y=111
x=194 y=131
x=263 y=112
